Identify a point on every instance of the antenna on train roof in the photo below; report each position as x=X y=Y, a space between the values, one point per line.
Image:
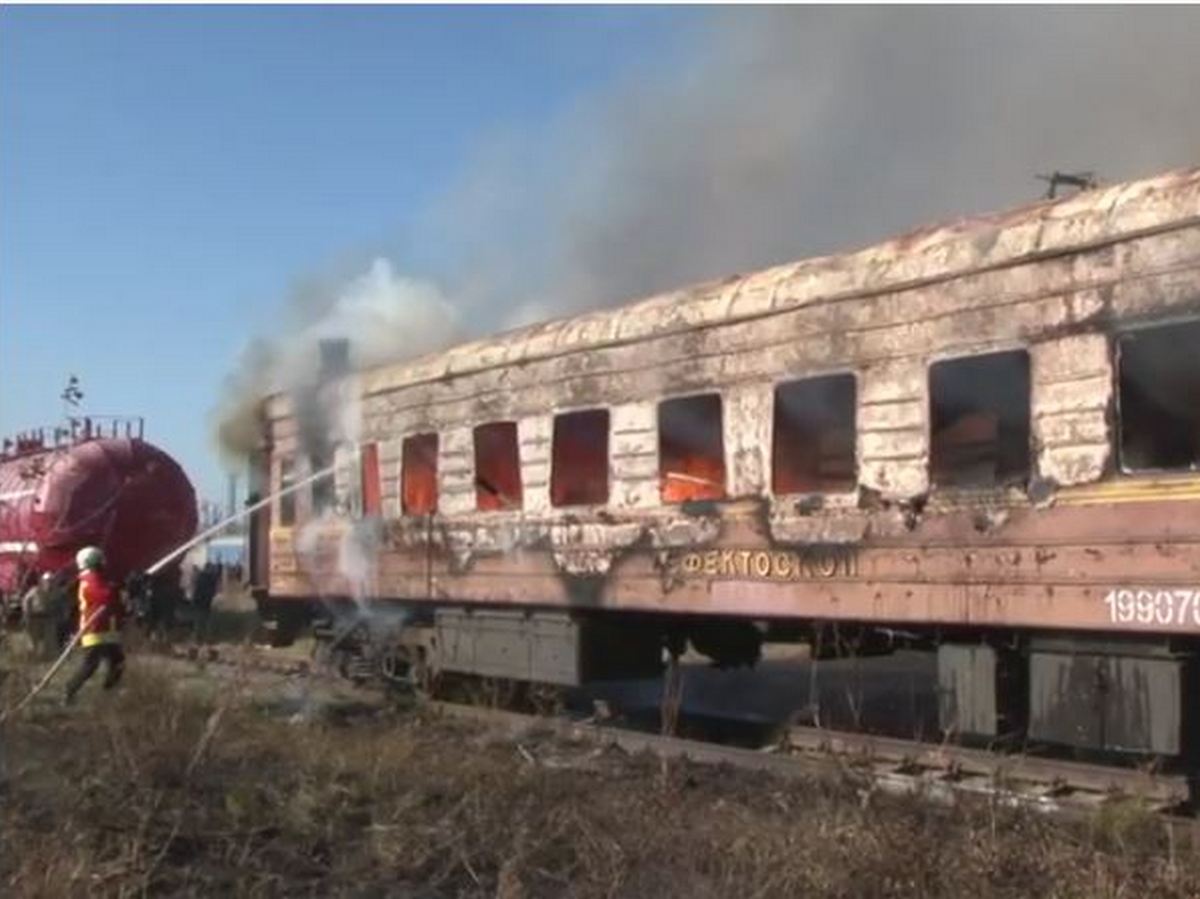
x=1081 y=180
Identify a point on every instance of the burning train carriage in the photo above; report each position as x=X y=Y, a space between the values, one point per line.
x=985 y=434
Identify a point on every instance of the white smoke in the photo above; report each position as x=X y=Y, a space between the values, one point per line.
x=358 y=556
x=384 y=316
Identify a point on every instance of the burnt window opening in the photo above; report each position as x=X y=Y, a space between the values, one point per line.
x=370 y=489
x=287 y=501
x=347 y=480
x=579 y=464
x=497 y=467
x=691 y=449
x=979 y=420
x=1159 y=398
x=419 y=474
x=323 y=489
x=813 y=448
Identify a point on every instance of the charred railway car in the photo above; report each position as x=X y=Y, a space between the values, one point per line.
x=986 y=435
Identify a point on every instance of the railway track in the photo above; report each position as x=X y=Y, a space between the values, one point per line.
x=941 y=773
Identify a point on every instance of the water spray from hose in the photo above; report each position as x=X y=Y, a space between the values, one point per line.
x=157 y=566
x=249 y=510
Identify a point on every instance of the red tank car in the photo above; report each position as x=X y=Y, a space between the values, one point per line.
x=94 y=483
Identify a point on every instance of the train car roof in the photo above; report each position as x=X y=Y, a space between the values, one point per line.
x=1090 y=219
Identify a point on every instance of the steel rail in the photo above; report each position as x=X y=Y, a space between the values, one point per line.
x=965 y=762
x=892 y=764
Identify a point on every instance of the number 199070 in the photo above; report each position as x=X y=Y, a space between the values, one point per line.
x=1154 y=606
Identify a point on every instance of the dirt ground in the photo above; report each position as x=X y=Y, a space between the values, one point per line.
x=186 y=784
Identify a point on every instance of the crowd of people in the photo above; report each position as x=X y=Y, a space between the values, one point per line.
x=83 y=605
x=49 y=609
x=158 y=600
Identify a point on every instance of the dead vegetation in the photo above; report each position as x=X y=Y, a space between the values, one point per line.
x=172 y=792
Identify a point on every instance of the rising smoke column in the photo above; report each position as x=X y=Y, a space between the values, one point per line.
x=384 y=316
x=771 y=135
x=791 y=132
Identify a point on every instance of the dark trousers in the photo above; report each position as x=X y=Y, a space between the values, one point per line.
x=111 y=654
x=43 y=634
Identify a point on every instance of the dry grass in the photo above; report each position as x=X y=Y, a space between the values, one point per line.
x=157 y=791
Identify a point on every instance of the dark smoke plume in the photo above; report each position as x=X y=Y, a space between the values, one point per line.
x=782 y=133
x=796 y=132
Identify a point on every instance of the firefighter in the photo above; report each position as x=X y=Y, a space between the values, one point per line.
x=99 y=623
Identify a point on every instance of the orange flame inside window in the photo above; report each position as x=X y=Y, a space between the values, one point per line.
x=691 y=449
x=497 y=467
x=418 y=492
x=579 y=474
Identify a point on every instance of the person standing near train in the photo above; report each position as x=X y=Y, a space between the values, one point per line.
x=38 y=615
x=99 y=623
x=46 y=612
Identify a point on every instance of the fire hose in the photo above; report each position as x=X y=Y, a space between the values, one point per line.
x=53 y=670
x=175 y=553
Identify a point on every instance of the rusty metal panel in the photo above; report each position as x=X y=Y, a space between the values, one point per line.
x=1064 y=700
x=501 y=648
x=554 y=649
x=1107 y=702
x=539 y=647
x=454 y=641
x=1143 y=712
x=967 y=689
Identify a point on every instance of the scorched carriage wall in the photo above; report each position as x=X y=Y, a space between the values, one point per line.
x=1074 y=543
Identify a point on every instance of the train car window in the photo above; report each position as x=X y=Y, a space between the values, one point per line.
x=1159 y=398
x=579 y=464
x=813 y=444
x=369 y=487
x=347 y=480
x=419 y=474
x=979 y=420
x=287 y=501
x=324 y=494
x=691 y=449
x=497 y=467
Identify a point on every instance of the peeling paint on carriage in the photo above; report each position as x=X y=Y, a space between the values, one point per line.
x=1056 y=280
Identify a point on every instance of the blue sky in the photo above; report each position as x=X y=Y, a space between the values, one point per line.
x=167 y=174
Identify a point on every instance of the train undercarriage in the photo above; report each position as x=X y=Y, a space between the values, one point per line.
x=1099 y=698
